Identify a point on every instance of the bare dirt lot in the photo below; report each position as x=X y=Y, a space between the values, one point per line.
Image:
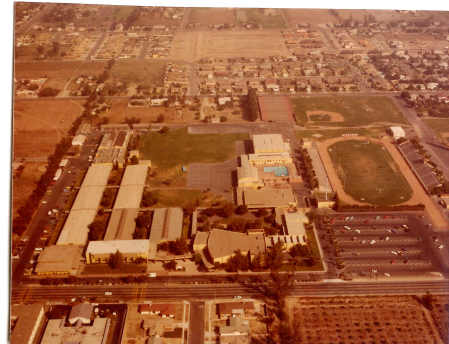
x=40 y=124
x=58 y=73
x=25 y=183
x=120 y=110
x=211 y=16
x=312 y=16
x=191 y=46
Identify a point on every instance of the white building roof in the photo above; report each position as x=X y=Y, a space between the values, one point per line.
x=129 y=196
x=135 y=175
x=97 y=175
x=79 y=140
x=76 y=229
x=246 y=170
x=88 y=197
x=397 y=132
x=270 y=143
x=295 y=223
x=124 y=246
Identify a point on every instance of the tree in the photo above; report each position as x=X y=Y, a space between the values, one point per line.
x=170 y=265
x=96 y=230
x=134 y=160
x=252 y=105
x=116 y=260
x=241 y=209
x=48 y=92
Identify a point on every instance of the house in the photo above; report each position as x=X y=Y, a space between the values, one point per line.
x=165 y=310
x=227 y=309
x=81 y=312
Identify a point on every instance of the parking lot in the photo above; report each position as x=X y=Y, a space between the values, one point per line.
x=374 y=245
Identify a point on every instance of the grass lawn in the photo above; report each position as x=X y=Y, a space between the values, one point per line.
x=356 y=110
x=368 y=173
x=176 y=197
x=439 y=125
x=145 y=73
x=324 y=134
x=177 y=147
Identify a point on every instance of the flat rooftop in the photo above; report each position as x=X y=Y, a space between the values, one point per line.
x=122 y=224
x=129 y=196
x=268 y=197
x=59 y=259
x=270 y=143
x=97 y=175
x=88 y=197
x=135 y=175
x=75 y=230
x=112 y=246
x=25 y=319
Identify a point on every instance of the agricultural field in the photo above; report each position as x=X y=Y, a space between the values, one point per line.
x=440 y=126
x=356 y=110
x=267 y=18
x=141 y=72
x=58 y=73
x=312 y=16
x=368 y=172
x=177 y=147
x=385 y=319
x=40 y=124
x=212 y=16
x=194 y=45
x=24 y=184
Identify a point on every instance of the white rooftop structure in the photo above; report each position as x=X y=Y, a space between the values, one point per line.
x=79 y=140
x=112 y=246
x=57 y=333
x=295 y=224
x=97 y=175
x=135 y=175
x=270 y=143
x=88 y=197
x=397 y=132
x=129 y=196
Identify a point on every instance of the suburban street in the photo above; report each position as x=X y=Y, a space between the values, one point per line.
x=29 y=294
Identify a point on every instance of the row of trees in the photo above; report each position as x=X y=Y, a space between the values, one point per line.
x=252 y=105
x=307 y=172
x=176 y=247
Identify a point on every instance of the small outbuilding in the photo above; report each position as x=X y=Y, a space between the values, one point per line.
x=397 y=132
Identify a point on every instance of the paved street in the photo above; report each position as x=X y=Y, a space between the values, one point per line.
x=196 y=323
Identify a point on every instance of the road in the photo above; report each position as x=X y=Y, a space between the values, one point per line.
x=29 y=294
x=196 y=323
x=41 y=219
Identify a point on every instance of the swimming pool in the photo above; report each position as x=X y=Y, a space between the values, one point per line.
x=279 y=171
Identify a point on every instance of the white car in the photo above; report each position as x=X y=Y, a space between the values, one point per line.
x=237 y=297
x=387 y=274
x=372 y=242
x=441 y=246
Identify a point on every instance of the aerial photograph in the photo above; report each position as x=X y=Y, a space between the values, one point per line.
x=228 y=175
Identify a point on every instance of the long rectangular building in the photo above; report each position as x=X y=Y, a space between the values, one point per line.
x=76 y=230
x=166 y=225
x=122 y=224
x=100 y=251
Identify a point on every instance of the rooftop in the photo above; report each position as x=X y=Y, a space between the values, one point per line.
x=76 y=229
x=88 y=197
x=270 y=143
x=59 y=258
x=135 y=175
x=112 y=246
x=295 y=223
x=223 y=243
x=268 y=198
x=97 y=175
x=121 y=224
x=57 y=333
x=25 y=318
x=166 y=225
x=129 y=196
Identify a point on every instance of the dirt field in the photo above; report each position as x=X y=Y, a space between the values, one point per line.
x=334 y=116
x=211 y=16
x=191 y=46
x=23 y=186
x=393 y=319
x=312 y=16
x=40 y=124
x=120 y=110
x=418 y=196
x=58 y=73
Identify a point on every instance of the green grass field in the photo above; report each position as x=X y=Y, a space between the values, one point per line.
x=368 y=173
x=176 y=197
x=177 y=147
x=324 y=134
x=356 y=110
x=146 y=73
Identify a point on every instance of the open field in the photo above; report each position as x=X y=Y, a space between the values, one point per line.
x=23 y=185
x=211 y=16
x=386 y=319
x=176 y=197
x=368 y=172
x=39 y=125
x=439 y=125
x=356 y=110
x=324 y=134
x=58 y=73
x=177 y=147
x=312 y=16
x=145 y=73
x=194 y=45
x=267 y=18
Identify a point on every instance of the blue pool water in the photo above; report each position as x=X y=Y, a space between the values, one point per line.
x=279 y=171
